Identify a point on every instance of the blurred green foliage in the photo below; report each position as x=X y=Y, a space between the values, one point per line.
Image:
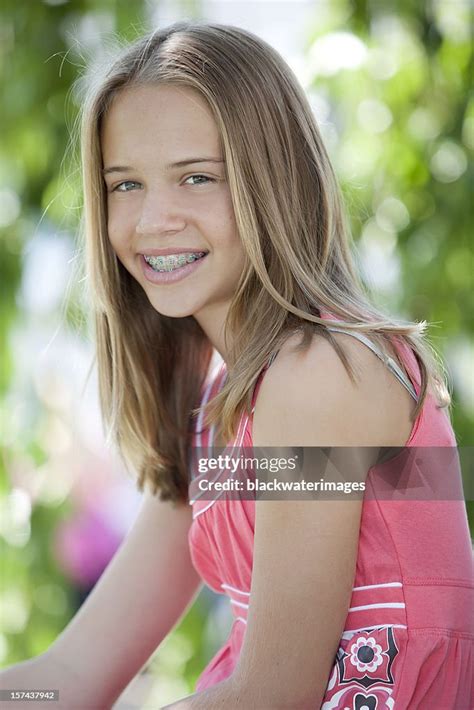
x=400 y=128
x=403 y=111
x=43 y=48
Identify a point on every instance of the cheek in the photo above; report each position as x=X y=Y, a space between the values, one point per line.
x=234 y=244
x=118 y=229
x=225 y=229
x=228 y=246
x=224 y=225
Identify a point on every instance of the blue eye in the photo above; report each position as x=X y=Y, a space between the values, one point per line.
x=125 y=185
x=204 y=177
x=120 y=187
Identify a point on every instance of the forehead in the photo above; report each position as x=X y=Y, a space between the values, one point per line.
x=143 y=120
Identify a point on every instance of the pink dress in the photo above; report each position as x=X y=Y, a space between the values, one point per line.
x=408 y=641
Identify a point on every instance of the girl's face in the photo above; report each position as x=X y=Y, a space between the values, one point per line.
x=167 y=194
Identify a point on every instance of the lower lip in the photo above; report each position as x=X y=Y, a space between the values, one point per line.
x=169 y=277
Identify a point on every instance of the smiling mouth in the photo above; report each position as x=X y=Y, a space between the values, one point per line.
x=171 y=262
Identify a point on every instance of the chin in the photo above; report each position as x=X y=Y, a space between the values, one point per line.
x=173 y=310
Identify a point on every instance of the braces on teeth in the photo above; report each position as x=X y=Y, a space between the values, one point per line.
x=173 y=261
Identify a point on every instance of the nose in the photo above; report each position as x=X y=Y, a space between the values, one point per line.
x=159 y=214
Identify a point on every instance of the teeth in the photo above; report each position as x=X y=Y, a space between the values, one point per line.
x=170 y=262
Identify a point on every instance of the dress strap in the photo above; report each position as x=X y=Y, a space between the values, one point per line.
x=390 y=362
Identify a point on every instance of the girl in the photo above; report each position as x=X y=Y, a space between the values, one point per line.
x=213 y=222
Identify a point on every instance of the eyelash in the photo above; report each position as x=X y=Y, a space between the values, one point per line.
x=133 y=182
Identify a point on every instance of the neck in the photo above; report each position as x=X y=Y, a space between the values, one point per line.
x=212 y=322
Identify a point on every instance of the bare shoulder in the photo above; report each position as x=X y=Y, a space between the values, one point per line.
x=308 y=398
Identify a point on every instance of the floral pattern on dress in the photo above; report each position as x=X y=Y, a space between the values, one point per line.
x=353 y=698
x=366 y=654
x=367 y=658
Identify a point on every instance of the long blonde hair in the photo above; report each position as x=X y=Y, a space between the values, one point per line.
x=291 y=221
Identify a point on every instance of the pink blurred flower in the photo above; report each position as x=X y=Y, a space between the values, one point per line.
x=84 y=545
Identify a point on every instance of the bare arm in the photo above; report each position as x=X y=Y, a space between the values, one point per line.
x=305 y=551
x=137 y=601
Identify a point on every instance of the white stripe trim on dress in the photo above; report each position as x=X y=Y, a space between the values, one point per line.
x=377 y=586
x=219 y=474
x=203 y=510
x=370 y=629
x=234 y=589
x=199 y=423
x=204 y=401
x=381 y=605
x=211 y=441
x=201 y=413
x=241 y=604
x=211 y=437
x=241 y=434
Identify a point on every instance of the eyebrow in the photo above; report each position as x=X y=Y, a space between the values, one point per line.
x=178 y=164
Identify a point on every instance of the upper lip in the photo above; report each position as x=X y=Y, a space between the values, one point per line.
x=171 y=250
